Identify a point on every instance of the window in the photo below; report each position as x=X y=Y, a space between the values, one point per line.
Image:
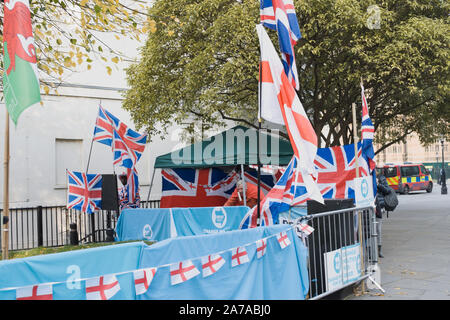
x=67 y=156
x=390 y=172
x=423 y=170
x=414 y=171
x=410 y=171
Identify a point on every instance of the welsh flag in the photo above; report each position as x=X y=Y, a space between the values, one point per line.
x=20 y=79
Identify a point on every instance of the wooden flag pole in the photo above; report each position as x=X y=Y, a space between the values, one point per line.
x=258 y=206
x=5 y=222
x=355 y=139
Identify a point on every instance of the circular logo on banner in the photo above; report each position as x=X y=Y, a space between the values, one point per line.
x=219 y=217
x=147 y=232
x=337 y=262
x=364 y=188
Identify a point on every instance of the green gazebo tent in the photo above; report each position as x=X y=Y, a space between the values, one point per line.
x=235 y=146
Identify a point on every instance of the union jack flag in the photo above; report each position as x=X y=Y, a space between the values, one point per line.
x=367 y=132
x=127 y=145
x=267 y=180
x=280 y=15
x=336 y=168
x=129 y=194
x=84 y=192
x=293 y=188
x=188 y=187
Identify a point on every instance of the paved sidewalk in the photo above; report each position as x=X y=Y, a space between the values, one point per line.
x=416 y=249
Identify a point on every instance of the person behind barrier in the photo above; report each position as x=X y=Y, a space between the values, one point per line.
x=124 y=201
x=383 y=189
x=251 y=193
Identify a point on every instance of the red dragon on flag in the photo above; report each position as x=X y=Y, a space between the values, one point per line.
x=17 y=32
x=21 y=80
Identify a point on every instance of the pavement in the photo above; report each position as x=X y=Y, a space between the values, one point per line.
x=416 y=249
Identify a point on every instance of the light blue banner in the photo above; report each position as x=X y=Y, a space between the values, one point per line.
x=144 y=224
x=194 y=221
x=160 y=224
x=279 y=274
x=65 y=269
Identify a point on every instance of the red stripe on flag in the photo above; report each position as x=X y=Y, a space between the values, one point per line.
x=266 y=73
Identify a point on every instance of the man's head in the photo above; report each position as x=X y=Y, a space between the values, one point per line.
x=123 y=178
x=239 y=186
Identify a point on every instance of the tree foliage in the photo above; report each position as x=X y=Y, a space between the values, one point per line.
x=203 y=65
x=69 y=34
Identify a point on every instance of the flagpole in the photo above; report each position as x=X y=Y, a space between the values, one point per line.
x=5 y=222
x=257 y=139
x=92 y=141
x=355 y=139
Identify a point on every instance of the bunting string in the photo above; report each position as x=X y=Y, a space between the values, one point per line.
x=213 y=263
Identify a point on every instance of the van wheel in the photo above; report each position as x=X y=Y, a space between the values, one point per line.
x=430 y=187
x=405 y=189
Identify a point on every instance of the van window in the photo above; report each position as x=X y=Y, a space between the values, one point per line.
x=390 y=172
x=423 y=170
x=409 y=171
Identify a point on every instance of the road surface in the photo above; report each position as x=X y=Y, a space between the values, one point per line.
x=416 y=249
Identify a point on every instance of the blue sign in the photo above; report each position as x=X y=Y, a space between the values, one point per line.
x=159 y=224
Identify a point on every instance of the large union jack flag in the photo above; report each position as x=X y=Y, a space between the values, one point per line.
x=127 y=145
x=189 y=187
x=280 y=15
x=85 y=191
x=336 y=168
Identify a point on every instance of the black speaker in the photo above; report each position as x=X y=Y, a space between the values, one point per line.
x=110 y=197
x=330 y=233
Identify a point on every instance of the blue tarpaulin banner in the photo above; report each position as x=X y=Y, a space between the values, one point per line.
x=163 y=223
x=281 y=273
x=145 y=224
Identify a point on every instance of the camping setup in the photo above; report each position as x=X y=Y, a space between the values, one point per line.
x=205 y=173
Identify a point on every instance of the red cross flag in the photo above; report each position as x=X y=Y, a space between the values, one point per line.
x=102 y=288
x=239 y=256
x=182 y=271
x=211 y=264
x=280 y=100
x=36 y=292
x=261 y=246
x=142 y=279
x=304 y=228
x=283 y=240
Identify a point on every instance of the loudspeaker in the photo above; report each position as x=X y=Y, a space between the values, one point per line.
x=110 y=197
x=313 y=206
x=330 y=233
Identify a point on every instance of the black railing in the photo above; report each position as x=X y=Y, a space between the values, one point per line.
x=51 y=226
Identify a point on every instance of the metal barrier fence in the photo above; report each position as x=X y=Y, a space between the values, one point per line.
x=342 y=249
x=50 y=226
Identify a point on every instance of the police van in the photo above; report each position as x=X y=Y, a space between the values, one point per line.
x=408 y=177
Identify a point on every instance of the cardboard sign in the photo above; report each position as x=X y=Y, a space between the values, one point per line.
x=364 y=191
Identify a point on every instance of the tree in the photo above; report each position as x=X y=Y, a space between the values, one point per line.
x=203 y=65
x=70 y=33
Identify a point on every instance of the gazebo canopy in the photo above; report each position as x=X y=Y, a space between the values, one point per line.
x=234 y=146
